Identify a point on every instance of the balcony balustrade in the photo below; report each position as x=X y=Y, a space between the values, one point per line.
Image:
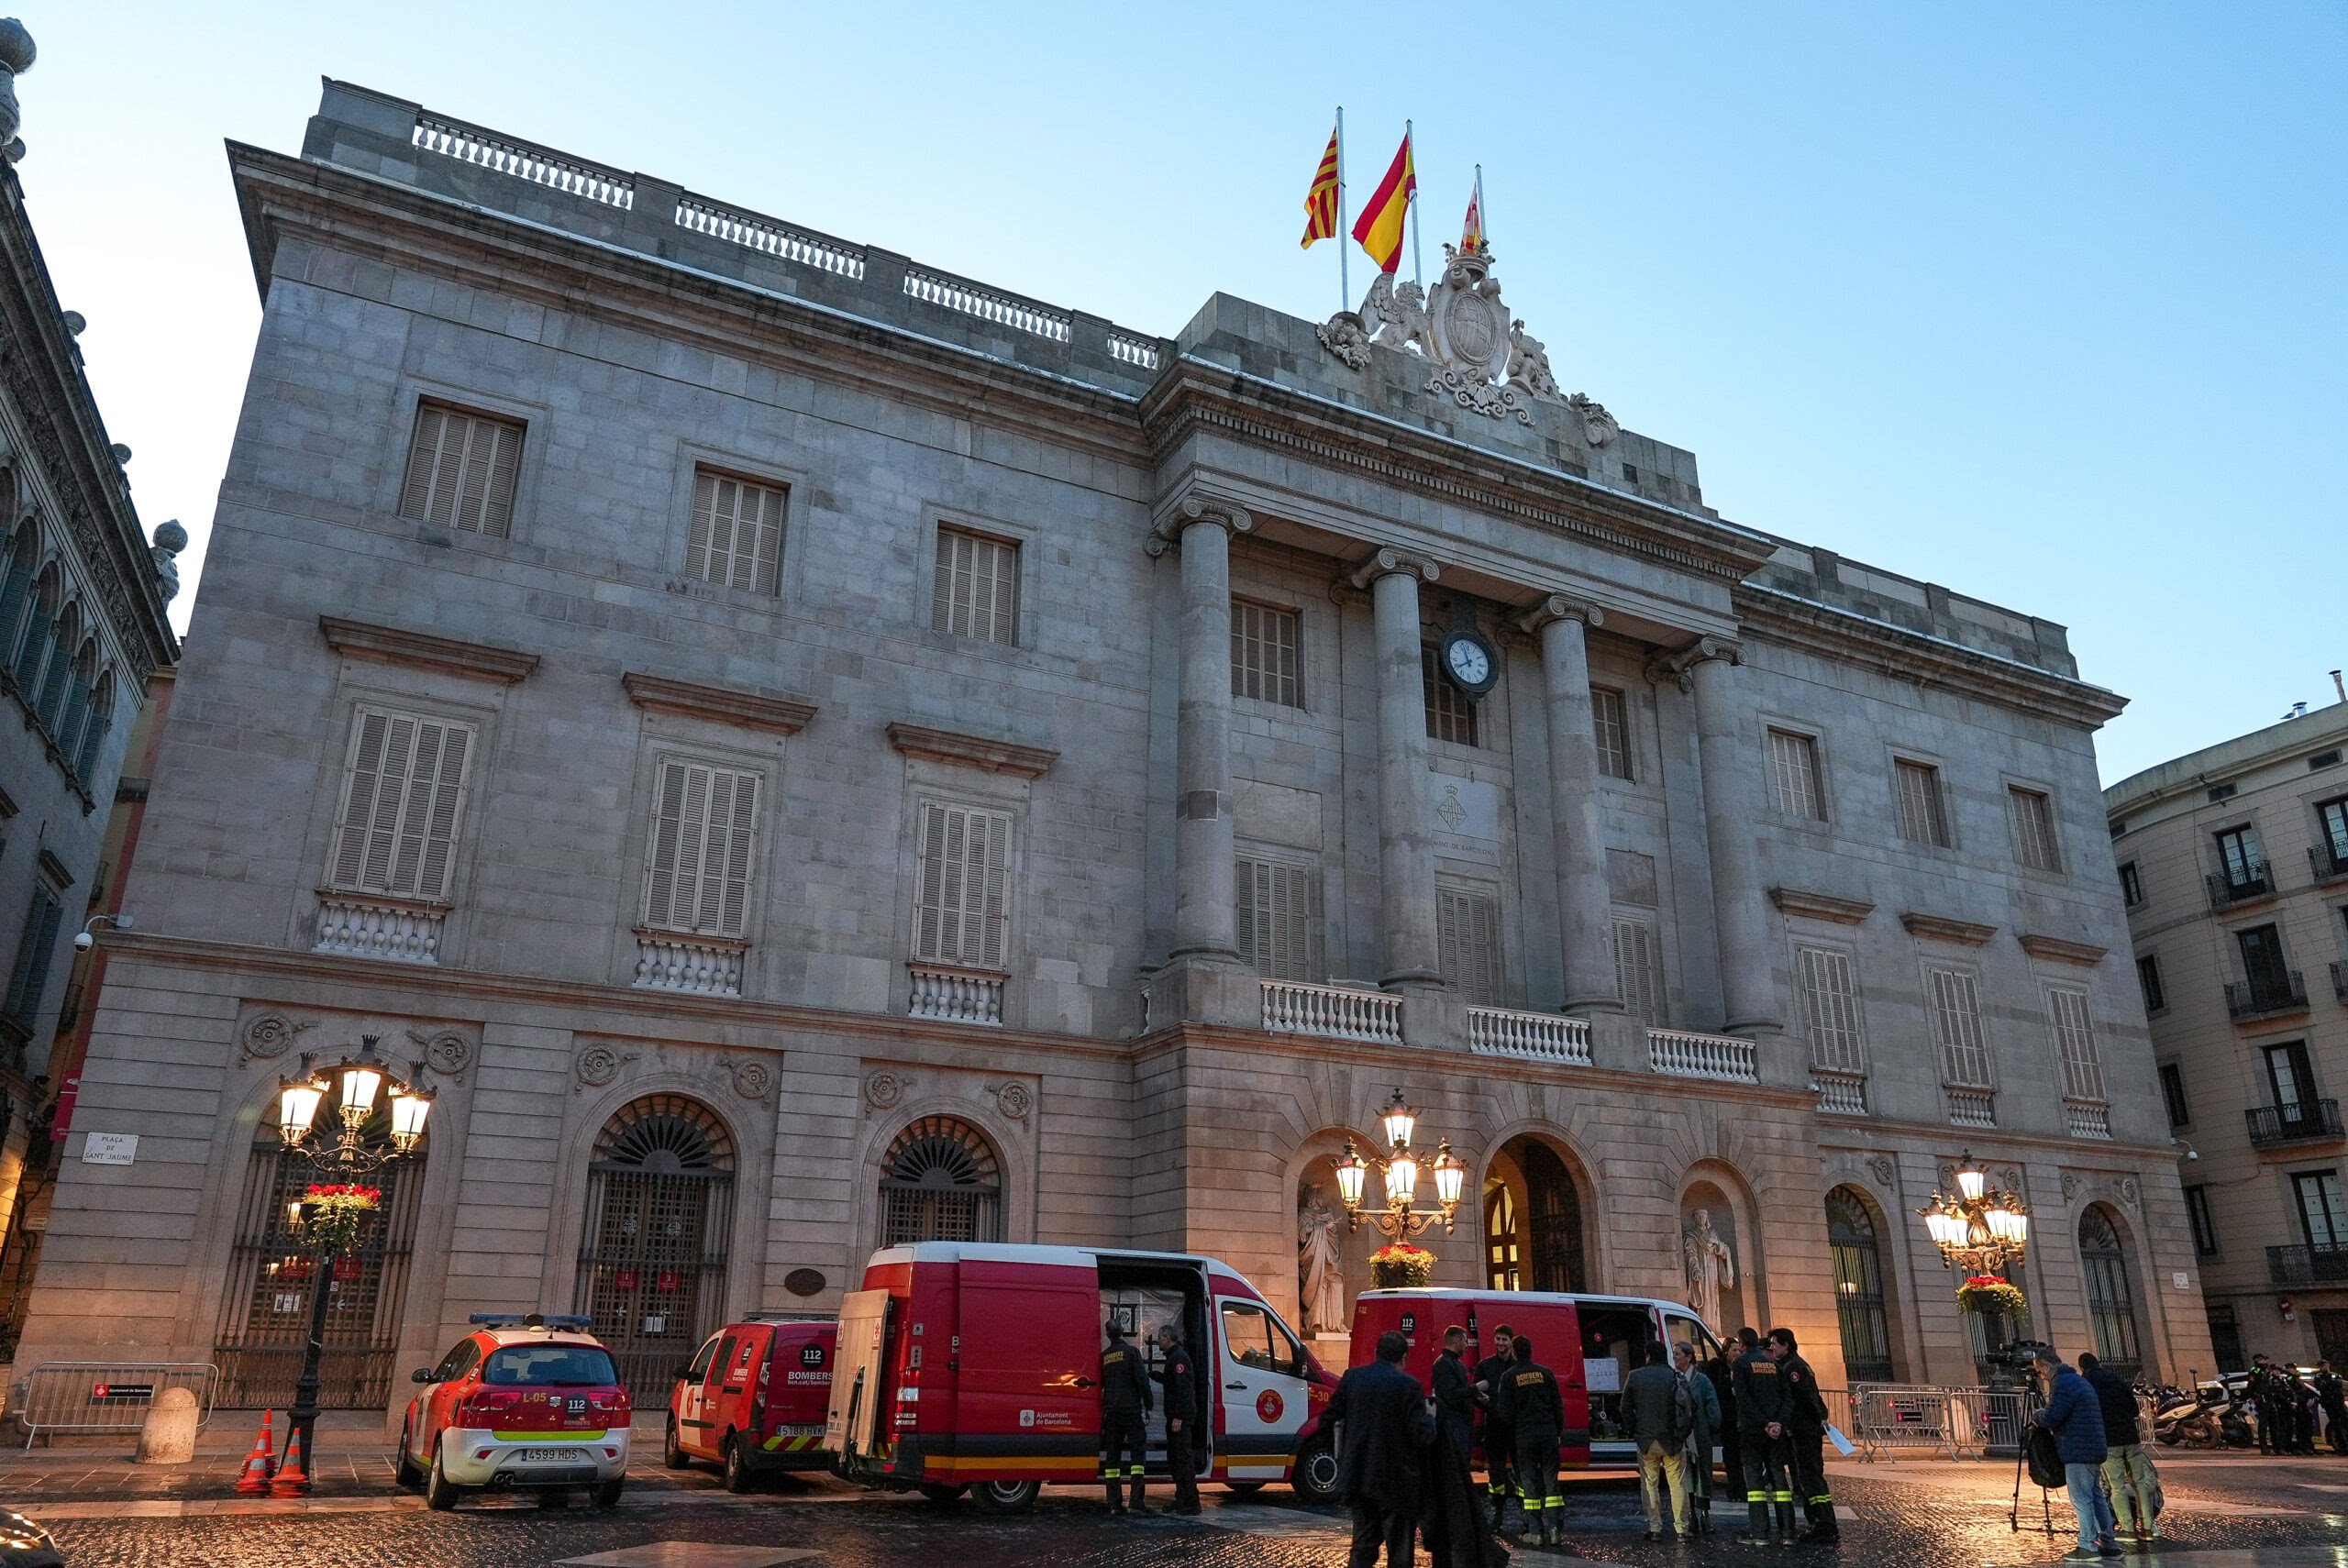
x=2326 y=861
x=2266 y=996
x=1843 y=1094
x=359 y=926
x=2306 y=1265
x=2227 y=891
x=2084 y=1119
x=1532 y=1036
x=956 y=994
x=1332 y=1012
x=2309 y=1122
x=672 y=961
x=2340 y=980
x=1678 y=1054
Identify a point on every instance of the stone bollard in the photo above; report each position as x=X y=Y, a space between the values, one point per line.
x=168 y=1436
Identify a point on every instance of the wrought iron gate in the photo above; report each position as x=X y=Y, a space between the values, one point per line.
x=1858 y=1289
x=265 y=1309
x=1555 y=1205
x=652 y=1249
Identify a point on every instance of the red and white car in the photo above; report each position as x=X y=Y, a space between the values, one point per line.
x=523 y=1402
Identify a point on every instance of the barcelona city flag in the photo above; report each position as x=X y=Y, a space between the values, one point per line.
x=1321 y=201
x=1379 y=227
x=1471 y=231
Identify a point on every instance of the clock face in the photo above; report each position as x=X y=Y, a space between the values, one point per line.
x=1469 y=662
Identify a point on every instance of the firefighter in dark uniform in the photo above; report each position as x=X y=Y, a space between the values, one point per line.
x=1124 y=1405
x=1185 y=1411
x=1764 y=1417
x=1807 y=1429
x=1530 y=1404
x=1499 y=1439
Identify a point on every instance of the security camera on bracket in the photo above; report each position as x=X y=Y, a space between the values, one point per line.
x=83 y=941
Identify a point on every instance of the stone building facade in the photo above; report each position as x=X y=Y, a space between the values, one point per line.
x=2233 y=866
x=810 y=750
x=82 y=629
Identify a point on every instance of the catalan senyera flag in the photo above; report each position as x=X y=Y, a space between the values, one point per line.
x=1379 y=227
x=1321 y=201
x=1471 y=231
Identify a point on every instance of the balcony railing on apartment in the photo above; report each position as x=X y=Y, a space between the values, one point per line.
x=2306 y=1265
x=2326 y=862
x=2261 y=998
x=2310 y=1120
x=2226 y=891
x=2340 y=980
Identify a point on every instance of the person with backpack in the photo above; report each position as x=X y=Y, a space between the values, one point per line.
x=1656 y=1407
x=2075 y=1416
x=2127 y=1469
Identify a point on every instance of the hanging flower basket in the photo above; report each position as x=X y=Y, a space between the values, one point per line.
x=337 y=1214
x=1401 y=1267
x=1986 y=1294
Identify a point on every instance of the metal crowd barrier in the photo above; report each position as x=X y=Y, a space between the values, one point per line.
x=106 y=1396
x=1960 y=1422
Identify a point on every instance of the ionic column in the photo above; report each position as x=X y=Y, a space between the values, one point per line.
x=1203 y=796
x=1405 y=847
x=1582 y=896
x=1739 y=921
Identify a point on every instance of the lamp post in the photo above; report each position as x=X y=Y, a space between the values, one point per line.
x=1400 y=1167
x=330 y=1215
x=1983 y=1230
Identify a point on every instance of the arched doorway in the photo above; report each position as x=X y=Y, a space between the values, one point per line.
x=1858 y=1286
x=652 y=1249
x=1532 y=1220
x=2111 y=1293
x=940 y=1181
x=265 y=1311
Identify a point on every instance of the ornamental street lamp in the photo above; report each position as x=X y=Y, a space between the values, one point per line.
x=1980 y=1230
x=1400 y=1168
x=331 y=1213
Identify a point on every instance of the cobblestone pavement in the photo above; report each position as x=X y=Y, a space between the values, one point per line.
x=2223 y=1512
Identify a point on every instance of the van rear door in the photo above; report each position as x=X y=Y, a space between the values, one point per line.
x=1027 y=1398
x=852 y=1418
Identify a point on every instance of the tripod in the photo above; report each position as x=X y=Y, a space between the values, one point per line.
x=2030 y=1404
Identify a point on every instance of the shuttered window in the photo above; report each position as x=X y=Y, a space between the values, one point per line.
x=1830 y=998
x=736 y=540
x=1264 y=654
x=1953 y=999
x=961 y=894
x=1611 y=726
x=1276 y=930
x=2034 y=819
x=2073 y=1024
x=1793 y=776
x=402 y=798
x=36 y=945
x=1638 y=973
x=977 y=590
x=1923 y=818
x=461 y=471
x=1467 y=941
x=702 y=847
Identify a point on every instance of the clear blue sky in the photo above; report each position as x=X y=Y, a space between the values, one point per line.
x=2042 y=302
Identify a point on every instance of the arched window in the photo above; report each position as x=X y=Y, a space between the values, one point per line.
x=79 y=685
x=2111 y=1295
x=22 y=561
x=940 y=1182
x=652 y=1250
x=265 y=1311
x=65 y=635
x=1858 y=1286
x=1533 y=1219
x=33 y=646
x=94 y=733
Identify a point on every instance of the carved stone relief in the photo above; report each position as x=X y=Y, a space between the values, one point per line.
x=884 y=1088
x=599 y=1065
x=446 y=1051
x=269 y=1035
x=1014 y=1100
x=1885 y=1170
x=753 y=1081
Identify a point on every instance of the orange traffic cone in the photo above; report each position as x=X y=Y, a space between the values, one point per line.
x=253 y=1481
x=292 y=1481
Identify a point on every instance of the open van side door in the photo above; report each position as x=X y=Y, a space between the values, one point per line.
x=853 y=1418
x=1256 y=1370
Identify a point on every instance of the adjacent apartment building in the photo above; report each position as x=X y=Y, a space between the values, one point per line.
x=2233 y=862
x=808 y=751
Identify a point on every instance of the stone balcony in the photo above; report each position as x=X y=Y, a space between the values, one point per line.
x=368 y=925
x=698 y=966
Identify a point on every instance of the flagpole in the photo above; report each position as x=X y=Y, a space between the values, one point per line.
x=1344 y=230
x=1417 y=276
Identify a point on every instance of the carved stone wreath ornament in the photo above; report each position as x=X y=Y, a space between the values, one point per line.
x=270 y=1035
x=1882 y=1168
x=883 y=1089
x=1014 y=1100
x=446 y=1052
x=753 y=1081
x=1479 y=357
x=597 y=1065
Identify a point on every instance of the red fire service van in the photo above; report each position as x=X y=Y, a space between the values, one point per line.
x=753 y=1398
x=971 y=1367
x=1591 y=1343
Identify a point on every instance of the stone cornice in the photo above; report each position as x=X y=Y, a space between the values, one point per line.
x=2060 y=949
x=1903 y=654
x=426 y=650
x=962 y=750
x=1947 y=928
x=1822 y=906
x=719 y=704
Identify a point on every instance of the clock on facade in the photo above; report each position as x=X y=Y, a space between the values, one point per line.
x=1470 y=662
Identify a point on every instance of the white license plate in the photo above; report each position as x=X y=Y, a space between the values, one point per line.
x=553 y=1456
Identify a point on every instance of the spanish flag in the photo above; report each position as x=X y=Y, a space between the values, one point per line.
x=1321 y=201
x=1379 y=227
x=1471 y=232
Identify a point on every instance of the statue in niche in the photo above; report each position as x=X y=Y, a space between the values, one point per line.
x=1711 y=1267
x=1320 y=1267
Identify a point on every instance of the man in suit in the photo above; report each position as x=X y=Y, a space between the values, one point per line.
x=1383 y=1434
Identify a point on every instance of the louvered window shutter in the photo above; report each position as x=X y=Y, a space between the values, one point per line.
x=1276 y=930
x=700 y=849
x=1956 y=1023
x=2073 y=1024
x=1468 y=945
x=402 y=804
x=962 y=891
x=36 y=945
x=1635 y=968
x=460 y=472
x=736 y=536
x=1831 y=1002
x=977 y=587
